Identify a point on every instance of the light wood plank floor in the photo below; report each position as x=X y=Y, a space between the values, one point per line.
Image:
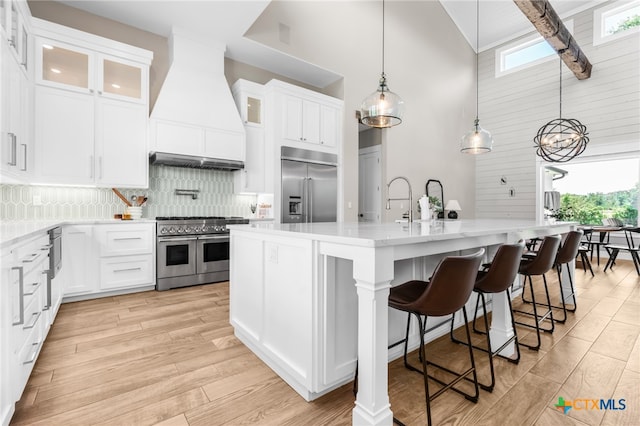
x=170 y=358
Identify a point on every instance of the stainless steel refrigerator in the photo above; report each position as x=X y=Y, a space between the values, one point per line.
x=309 y=186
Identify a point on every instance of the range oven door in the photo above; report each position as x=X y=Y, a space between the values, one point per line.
x=213 y=253
x=176 y=256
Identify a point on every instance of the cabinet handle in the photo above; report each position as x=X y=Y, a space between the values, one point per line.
x=127 y=269
x=20 y=270
x=47 y=247
x=99 y=92
x=33 y=355
x=24 y=148
x=127 y=238
x=48 y=304
x=36 y=317
x=90 y=90
x=100 y=167
x=32 y=257
x=12 y=146
x=34 y=288
x=12 y=42
x=92 y=165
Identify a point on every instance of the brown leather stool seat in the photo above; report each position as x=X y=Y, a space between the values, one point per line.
x=444 y=294
x=539 y=265
x=501 y=274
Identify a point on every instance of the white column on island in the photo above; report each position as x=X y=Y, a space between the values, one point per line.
x=373 y=272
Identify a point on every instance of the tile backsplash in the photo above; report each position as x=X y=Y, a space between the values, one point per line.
x=215 y=198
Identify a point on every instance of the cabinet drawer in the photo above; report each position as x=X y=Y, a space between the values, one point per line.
x=125 y=240
x=28 y=352
x=32 y=319
x=132 y=271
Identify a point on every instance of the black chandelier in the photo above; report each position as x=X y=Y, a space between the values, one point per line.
x=561 y=139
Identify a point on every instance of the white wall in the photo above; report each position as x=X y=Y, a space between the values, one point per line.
x=428 y=63
x=513 y=107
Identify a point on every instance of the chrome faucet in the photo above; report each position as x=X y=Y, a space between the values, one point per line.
x=410 y=199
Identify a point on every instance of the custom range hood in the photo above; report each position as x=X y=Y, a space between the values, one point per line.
x=195 y=122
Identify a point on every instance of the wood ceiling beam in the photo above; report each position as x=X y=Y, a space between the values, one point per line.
x=545 y=19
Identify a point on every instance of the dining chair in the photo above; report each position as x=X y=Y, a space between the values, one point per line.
x=631 y=247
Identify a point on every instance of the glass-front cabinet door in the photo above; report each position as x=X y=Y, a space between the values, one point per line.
x=64 y=66
x=4 y=5
x=121 y=79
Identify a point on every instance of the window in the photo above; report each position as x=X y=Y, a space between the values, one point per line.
x=525 y=53
x=593 y=191
x=615 y=21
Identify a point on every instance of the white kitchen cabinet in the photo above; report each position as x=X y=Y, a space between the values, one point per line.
x=64 y=131
x=24 y=270
x=80 y=260
x=120 y=145
x=251 y=179
x=7 y=355
x=330 y=125
x=249 y=98
x=108 y=257
x=304 y=118
x=91 y=99
x=301 y=120
x=16 y=136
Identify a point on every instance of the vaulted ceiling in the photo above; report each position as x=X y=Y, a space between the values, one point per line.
x=228 y=20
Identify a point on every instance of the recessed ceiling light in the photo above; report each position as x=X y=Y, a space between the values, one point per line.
x=55 y=70
x=115 y=86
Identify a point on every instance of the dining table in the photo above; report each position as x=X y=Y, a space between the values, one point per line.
x=604 y=235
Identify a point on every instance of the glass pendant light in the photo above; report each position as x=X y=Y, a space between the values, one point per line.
x=477 y=140
x=382 y=108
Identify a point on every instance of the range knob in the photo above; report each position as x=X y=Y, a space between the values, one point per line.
x=172 y=230
x=187 y=229
x=163 y=230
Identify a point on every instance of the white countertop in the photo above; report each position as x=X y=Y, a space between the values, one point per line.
x=385 y=234
x=13 y=230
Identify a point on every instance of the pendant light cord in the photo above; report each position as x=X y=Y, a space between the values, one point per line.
x=560 y=88
x=383 y=37
x=477 y=49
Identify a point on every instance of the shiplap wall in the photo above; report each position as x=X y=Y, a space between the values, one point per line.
x=513 y=107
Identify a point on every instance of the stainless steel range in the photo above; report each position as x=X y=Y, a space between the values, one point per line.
x=193 y=250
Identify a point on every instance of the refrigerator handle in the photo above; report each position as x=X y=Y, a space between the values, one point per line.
x=303 y=204
x=310 y=197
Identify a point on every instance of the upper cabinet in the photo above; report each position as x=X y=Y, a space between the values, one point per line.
x=91 y=100
x=250 y=100
x=306 y=119
x=16 y=90
x=74 y=68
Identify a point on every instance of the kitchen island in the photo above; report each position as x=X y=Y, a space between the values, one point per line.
x=311 y=299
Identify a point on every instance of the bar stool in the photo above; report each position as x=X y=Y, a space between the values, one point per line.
x=444 y=294
x=539 y=265
x=567 y=253
x=497 y=279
